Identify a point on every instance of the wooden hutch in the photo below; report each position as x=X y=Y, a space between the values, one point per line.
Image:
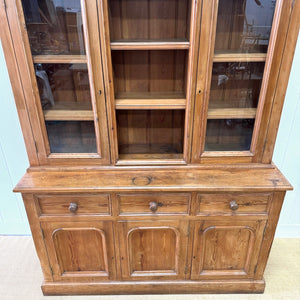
x=150 y=127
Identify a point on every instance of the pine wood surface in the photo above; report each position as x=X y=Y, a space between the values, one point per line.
x=225 y=179
x=172 y=84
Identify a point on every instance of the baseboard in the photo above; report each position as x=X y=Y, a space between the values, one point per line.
x=153 y=287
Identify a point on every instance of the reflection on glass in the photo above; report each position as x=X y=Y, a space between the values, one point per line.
x=71 y=136
x=61 y=83
x=244 y=25
x=229 y=135
x=54 y=26
x=235 y=84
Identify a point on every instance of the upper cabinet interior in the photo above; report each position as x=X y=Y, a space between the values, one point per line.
x=150 y=50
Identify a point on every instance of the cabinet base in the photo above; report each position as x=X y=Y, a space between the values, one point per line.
x=154 y=287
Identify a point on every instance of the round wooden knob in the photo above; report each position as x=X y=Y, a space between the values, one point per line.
x=73 y=207
x=153 y=206
x=233 y=205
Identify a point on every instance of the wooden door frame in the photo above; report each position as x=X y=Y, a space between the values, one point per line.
x=284 y=25
x=20 y=67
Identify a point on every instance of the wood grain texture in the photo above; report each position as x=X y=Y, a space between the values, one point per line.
x=212 y=204
x=215 y=244
x=227 y=179
x=153 y=249
x=133 y=228
x=80 y=251
x=177 y=203
x=155 y=287
x=87 y=204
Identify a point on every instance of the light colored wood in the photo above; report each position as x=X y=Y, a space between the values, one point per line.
x=142 y=215
x=102 y=8
x=59 y=59
x=272 y=70
x=215 y=244
x=87 y=204
x=150 y=103
x=155 y=287
x=231 y=113
x=94 y=61
x=282 y=84
x=168 y=179
x=70 y=111
x=239 y=57
x=149 y=45
x=178 y=203
x=25 y=65
x=80 y=251
x=16 y=82
x=216 y=204
x=207 y=37
x=153 y=249
x=275 y=207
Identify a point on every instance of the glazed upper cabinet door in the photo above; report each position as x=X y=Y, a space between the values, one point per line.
x=233 y=77
x=80 y=251
x=226 y=249
x=153 y=249
x=63 y=45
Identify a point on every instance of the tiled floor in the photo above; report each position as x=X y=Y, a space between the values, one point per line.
x=21 y=276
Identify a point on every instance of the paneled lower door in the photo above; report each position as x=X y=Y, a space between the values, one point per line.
x=226 y=249
x=80 y=251
x=153 y=249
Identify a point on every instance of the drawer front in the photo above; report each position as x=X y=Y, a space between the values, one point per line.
x=169 y=203
x=232 y=203
x=74 y=205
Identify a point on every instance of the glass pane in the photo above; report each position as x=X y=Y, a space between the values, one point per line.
x=229 y=134
x=65 y=97
x=63 y=85
x=244 y=25
x=236 y=84
x=54 y=26
x=150 y=131
x=71 y=136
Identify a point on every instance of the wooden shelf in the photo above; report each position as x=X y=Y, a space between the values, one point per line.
x=60 y=59
x=149 y=44
x=69 y=111
x=239 y=57
x=150 y=159
x=172 y=100
x=231 y=113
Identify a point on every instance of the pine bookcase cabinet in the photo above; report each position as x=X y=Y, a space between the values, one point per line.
x=150 y=128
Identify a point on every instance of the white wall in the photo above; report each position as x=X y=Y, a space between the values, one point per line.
x=13 y=158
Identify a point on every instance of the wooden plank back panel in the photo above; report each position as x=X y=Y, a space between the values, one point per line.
x=142 y=19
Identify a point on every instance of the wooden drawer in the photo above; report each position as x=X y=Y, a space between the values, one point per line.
x=82 y=204
x=161 y=203
x=232 y=203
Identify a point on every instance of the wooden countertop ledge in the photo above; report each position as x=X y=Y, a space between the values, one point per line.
x=168 y=179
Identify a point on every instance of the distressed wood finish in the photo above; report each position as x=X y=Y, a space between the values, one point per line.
x=151 y=208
